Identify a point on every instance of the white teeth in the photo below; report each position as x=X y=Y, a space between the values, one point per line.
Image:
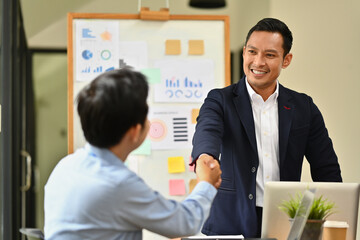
x=258 y=72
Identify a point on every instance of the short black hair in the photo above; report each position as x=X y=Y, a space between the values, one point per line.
x=111 y=104
x=276 y=26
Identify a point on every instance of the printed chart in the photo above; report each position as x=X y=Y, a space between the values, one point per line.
x=184 y=80
x=171 y=128
x=97 y=48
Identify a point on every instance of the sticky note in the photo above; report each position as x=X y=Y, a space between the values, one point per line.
x=176 y=187
x=196 y=47
x=191 y=168
x=192 y=184
x=143 y=149
x=176 y=164
x=153 y=75
x=194 y=115
x=172 y=47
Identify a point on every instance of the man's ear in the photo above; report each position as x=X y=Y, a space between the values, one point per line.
x=287 y=60
x=135 y=132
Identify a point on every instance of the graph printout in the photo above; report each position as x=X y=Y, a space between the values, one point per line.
x=170 y=128
x=186 y=81
x=97 y=43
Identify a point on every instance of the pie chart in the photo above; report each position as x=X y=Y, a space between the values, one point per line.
x=158 y=130
x=86 y=54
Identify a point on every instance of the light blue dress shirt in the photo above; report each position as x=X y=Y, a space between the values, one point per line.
x=91 y=194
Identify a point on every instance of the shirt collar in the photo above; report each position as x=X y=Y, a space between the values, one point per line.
x=103 y=153
x=253 y=95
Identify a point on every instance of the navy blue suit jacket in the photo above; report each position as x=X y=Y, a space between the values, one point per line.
x=225 y=127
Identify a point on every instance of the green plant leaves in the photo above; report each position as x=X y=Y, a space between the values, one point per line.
x=320 y=209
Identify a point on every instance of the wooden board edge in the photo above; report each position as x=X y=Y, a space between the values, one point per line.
x=70 y=119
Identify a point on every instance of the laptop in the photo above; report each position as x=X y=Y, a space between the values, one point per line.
x=276 y=223
x=297 y=226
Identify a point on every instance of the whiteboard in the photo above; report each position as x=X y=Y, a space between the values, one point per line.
x=181 y=72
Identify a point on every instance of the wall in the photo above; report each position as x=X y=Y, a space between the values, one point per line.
x=325 y=65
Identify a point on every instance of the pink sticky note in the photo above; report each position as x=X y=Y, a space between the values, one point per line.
x=176 y=187
x=191 y=168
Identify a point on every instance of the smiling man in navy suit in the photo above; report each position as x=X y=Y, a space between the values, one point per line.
x=260 y=131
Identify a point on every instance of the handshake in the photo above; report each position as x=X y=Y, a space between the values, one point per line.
x=208 y=169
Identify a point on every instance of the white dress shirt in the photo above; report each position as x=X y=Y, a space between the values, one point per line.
x=266 y=122
x=91 y=194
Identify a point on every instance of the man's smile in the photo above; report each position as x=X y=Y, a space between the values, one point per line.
x=257 y=72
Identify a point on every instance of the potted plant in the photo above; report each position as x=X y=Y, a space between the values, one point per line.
x=320 y=210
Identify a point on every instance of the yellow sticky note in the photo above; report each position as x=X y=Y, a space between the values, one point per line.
x=196 y=47
x=176 y=164
x=172 y=47
x=194 y=115
x=192 y=184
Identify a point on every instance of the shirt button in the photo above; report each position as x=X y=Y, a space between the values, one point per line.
x=251 y=196
x=253 y=169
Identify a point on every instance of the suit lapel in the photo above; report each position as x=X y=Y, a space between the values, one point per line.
x=243 y=107
x=286 y=109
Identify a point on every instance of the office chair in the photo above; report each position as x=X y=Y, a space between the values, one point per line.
x=31 y=233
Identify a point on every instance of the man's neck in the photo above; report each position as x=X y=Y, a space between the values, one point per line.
x=265 y=92
x=120 y=150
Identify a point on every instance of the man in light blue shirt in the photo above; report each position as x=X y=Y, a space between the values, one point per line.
x=91 y=194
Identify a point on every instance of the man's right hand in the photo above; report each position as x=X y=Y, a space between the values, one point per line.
x=208 y=169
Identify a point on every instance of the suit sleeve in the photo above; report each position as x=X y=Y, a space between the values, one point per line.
x=320 y=152
x=210 y=126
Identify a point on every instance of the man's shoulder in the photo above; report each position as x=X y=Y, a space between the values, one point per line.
x=226 y=88
x=225 y=91
x=292 y=93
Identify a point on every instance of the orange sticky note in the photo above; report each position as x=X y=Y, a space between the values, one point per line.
x=194 y=115
x=196 y=47
x=172 y=47
x=176 y=164
x=192 y=184
x=176 y=187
